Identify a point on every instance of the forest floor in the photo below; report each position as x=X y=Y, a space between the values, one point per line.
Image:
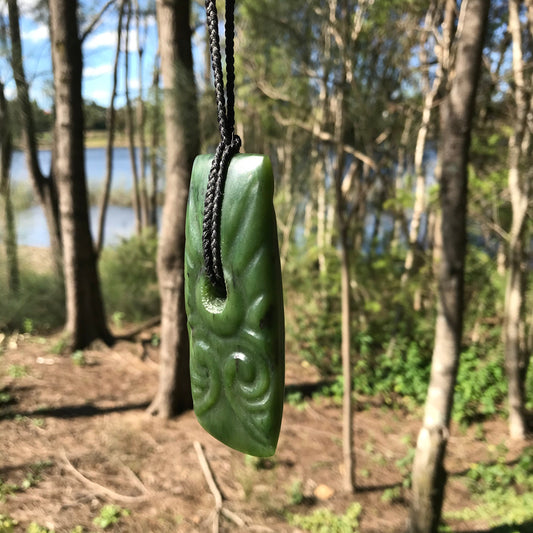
x=75 y=436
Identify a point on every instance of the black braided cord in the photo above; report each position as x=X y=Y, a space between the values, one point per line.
x=229 y=145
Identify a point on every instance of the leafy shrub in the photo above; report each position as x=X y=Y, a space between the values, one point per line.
x=109 y=515
x=39 y=305
x=499 y=476
x=129 y=278
x=326 y=521
x=7 y=524
x=481 y=387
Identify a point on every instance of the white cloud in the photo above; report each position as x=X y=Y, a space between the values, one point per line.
x=27 y=6
x=10 y=91
x=109 y=39
x=101 y=40
x=133 y=84
x=99 y=95
x=99 y=70
x=38 y=34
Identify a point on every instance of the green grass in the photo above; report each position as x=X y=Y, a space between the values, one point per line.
x=326 y=521
x=39 y=302
x=129 y=279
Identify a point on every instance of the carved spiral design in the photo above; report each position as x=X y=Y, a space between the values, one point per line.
x=248 y=388
x=206 y=381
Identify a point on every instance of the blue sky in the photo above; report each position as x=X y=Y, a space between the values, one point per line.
x=98 y=55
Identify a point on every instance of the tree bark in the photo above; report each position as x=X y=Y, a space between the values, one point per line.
x=515 y=357
x=130 y=130
x=85 y=311
x=44 y=187
x=182 y=142
x=110 y=139
x=429 y=475
x=10 y=238
x=141 y=120
x=154 y=145
x=420 y=148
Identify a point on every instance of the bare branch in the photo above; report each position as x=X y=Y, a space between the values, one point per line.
x=96 y=20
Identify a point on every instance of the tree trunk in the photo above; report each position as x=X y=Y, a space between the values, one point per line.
x=182 y=142
x=154 y=145
x=429 y=476
x=420 y=148
x=44 y=187
x=399 y=175
x=130 y=130
x=110 y=139
x=10 y=238
x=347 y=407
x=342 y=221
x=85 y=310
x=515 y=358
x=141 y=120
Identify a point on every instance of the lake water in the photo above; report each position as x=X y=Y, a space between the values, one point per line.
x=120 y=221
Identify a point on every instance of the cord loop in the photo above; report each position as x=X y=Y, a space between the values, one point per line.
x=229 y=144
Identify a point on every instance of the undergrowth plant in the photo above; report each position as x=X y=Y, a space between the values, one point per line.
x=503 y=492
x=110 y=515
x=129 y=279
x=38 y=306
x=326 y=521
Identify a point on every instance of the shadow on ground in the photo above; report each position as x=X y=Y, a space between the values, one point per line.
x=74 y=411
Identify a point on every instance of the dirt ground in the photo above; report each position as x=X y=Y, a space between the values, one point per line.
x=78 y=437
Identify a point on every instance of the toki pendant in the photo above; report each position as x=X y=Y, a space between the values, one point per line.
x=237 y=341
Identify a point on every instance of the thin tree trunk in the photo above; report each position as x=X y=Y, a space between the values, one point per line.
x=182 y=141
x=154 y=144
x=141 y=120
x=347 y=407
x=130 y=130
x=518 y=188
x=399 y=215
x=429 y=475
x=44 y=187
x=85 y=310
x=10 y=239
x=110 y=139
x=420 y=148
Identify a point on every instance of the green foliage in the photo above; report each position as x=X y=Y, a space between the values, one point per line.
x=499 y=508
x=296 y=400
x=313 y=319
x=295 y=492
x=34 y=474
x=34 y=527
x=504 y=491
x=17 y=371
x=78 y=358
x=5 y=397
x=486 y=477
x=6 y=489
x=94 y=116
x=129 y=278
x=39 y=306
x=326 y=521
x=485 y=395
x=7 y=524
x=109 y=515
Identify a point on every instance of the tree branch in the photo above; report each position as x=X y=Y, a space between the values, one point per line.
x=96 y=20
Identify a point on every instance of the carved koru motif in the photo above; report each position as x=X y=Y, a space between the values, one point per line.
x=237 y=341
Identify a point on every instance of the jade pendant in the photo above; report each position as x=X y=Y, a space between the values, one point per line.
x=237 y=343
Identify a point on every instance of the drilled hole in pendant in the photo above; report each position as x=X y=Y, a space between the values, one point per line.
x=214 y=297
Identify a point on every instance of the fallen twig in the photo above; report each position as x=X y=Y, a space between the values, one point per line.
x=208 y=475
x=100 y=489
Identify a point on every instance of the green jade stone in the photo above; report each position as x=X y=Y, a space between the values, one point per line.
x=237 y=340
